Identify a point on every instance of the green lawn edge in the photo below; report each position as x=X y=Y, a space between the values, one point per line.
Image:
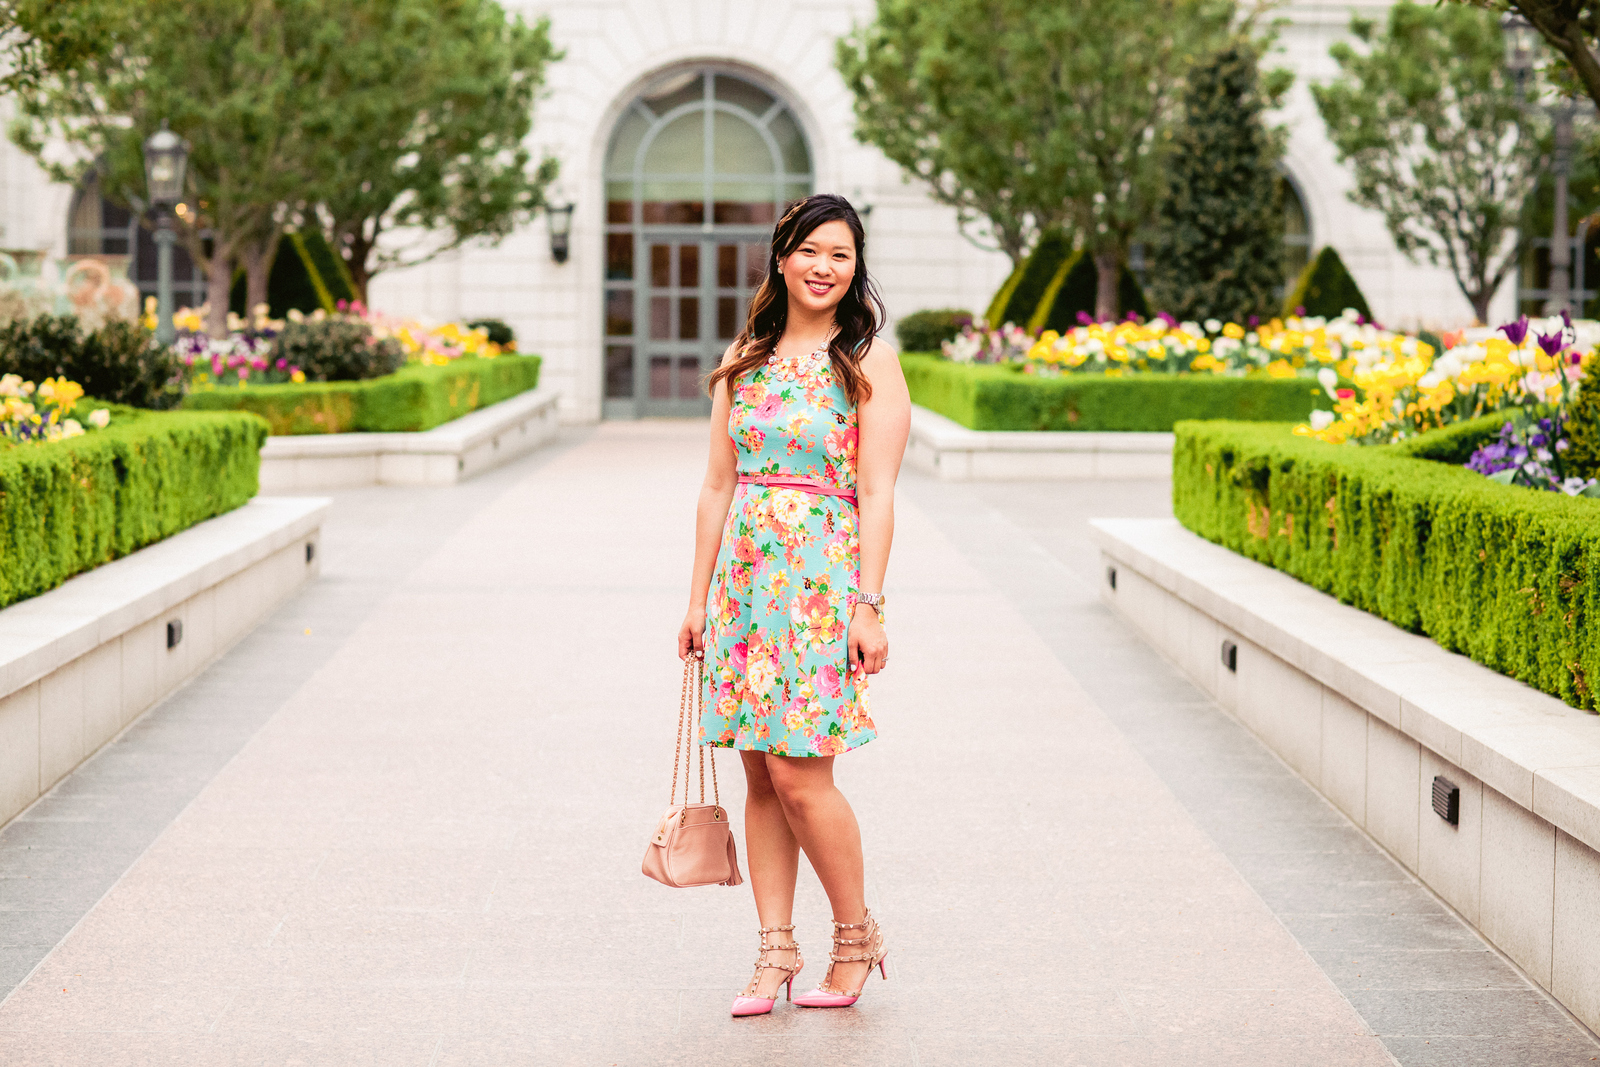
x=1501 y=574
x=414 y=398
x=69 y=506
x=1000 y=397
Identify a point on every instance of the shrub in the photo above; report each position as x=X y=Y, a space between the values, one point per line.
x=1583 y=423
x=499 y=333
x=1001 y=397
x=417 y=397
x=1038 y=271
x=1325 y=288
x=336 y=349
x=1075 y=295
x=119 y=363
x=71 y=505
x=926 y=331
x=1504 y=575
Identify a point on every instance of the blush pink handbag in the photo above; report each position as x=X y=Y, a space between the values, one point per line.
x=694 y=843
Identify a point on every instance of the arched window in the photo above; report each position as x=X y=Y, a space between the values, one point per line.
x=106 y=230
x=1296 y=233
x=701 y=165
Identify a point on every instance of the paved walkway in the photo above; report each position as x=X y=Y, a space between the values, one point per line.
x=411 y=835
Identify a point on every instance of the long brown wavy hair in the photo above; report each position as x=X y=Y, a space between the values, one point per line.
x=858 y=317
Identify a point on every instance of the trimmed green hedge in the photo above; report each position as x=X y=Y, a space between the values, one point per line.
x=69 y=506
x=1505 y=575
x=416 y=397
x=991 y=397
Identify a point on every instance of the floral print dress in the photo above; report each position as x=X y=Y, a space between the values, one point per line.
x=778 y=677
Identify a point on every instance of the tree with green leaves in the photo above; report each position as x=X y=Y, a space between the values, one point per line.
x=1439 y=137
x=1031 y=116
x=1217 y=243
x=431 y=101
x=231 y=76
x=1572 y=30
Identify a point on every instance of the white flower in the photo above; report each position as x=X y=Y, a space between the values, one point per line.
x=1321 y=420
x=99 y=418
x=1329 y=378
x=71 y=428
x=1213 y=325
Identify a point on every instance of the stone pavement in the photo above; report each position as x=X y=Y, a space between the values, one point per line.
x=411 y=835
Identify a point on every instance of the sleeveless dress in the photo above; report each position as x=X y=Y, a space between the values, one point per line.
x=778 y=678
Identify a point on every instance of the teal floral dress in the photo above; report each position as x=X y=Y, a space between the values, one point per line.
x=778 y=677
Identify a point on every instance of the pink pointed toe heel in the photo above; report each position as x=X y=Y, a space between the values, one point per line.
x=751 y=1005
x=874 y=955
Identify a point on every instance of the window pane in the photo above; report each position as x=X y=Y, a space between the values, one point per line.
x=660 y=377
x=620 y=210
x=791 y=143
x=728 y=266
x=625 y=142
x=738 y=147
x=674 y=212
x=619 y=257
x=755 y=264
x=758 y=213
x=727 y=318
x=661 y=266
x=688 y=318
x=673 y=90
x=742 y=94
x=619 y=372
x=689 y=266
x=660 y=318
x=680 y=148
x=688 y=377
x=1294 y=212
x=619 y=312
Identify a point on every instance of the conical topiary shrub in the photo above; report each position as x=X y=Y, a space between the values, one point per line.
x=1076 y=295
x=1326 y=288
x=1037 y=272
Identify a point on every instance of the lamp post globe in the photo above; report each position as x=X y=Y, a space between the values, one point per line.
x=166 y=157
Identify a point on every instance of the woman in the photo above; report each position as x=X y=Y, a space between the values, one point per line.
x=808 y=425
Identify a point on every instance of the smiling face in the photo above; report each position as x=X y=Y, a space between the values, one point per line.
x=819 y=271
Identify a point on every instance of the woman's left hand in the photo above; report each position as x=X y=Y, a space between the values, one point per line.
x=868 y=644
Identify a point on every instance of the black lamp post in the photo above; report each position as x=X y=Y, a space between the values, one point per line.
x=1521 y=41
x=560 y=218
x=166 y=155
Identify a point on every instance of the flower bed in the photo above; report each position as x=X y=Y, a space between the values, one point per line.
x=1505 y=575
x=1005 y=397
x=419 y=396
x=71 y=504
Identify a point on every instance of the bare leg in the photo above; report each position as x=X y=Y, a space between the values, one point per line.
x=774 y=857
x=825 y=826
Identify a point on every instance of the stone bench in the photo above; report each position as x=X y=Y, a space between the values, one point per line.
x=947 y=449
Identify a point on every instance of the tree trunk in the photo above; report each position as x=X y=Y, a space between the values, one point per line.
x=356 y=251
x=258 y=258
x=1480 y=304
x=219 y=280
x=1108 y=269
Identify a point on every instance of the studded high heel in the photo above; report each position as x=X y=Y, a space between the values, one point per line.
x=747 y=1005
x=825 y=996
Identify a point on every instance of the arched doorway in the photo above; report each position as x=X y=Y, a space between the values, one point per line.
x=701 y=165
x=1296 y=233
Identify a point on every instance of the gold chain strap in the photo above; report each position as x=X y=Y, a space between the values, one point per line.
x=692 y=695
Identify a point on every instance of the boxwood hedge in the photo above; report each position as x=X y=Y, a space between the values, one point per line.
x=416 y=397
x=69 y=506
x=1507 y=576
x=1000 y=397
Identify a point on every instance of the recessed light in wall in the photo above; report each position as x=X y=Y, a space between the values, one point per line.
x=174 y=633
x=1111 y=577
x=1447 y=800
x=1230 y=656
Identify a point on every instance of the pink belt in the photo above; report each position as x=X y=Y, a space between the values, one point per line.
x=799 y=482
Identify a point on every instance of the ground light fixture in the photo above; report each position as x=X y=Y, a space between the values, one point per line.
x=560 y=219
x=166 y=157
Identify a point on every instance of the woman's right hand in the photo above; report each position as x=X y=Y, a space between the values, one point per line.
x=692 y=634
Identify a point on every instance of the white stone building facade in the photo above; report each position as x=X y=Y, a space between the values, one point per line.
x=765 y=76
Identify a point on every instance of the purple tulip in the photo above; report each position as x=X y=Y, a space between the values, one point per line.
x=1171 y=322
x=1552 y=343
x=1085 y=319
x=1516 y=332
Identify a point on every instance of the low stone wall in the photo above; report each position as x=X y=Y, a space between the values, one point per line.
x=444 y=455
x=81 y=662
x=1374 y=718
x=947 y=449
